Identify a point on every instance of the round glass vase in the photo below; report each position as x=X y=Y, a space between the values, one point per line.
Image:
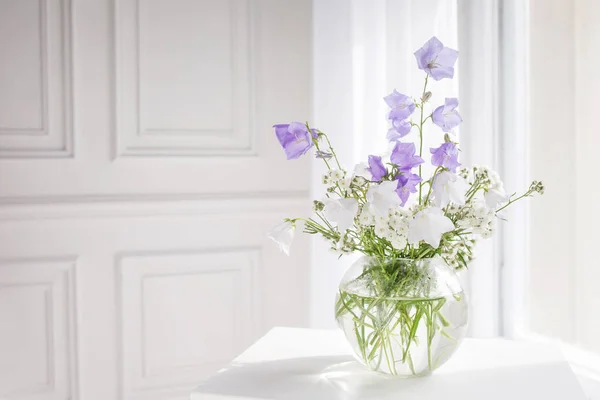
x=402 y=317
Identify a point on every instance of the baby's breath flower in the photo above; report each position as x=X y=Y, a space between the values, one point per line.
x=537 y=187
x=345 y=184
x=334 y=176
x=345 y=245
x=365 y=217
x=359 y=181
x=398 y=241
x=479 y=219
x=381 y=229
x=318 y=205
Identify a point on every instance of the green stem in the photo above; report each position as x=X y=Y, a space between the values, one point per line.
x=431 y=184
x=331 y=149
x=316 y=143
x=421 y=133
x=526 y=194
x=393 y=323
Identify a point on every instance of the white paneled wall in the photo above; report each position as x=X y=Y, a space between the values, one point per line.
x=36 y=79
x=138 y=176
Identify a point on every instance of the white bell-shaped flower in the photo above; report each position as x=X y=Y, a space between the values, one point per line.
x=283 y=235
x=341 y=212
x=382 y=197
x=360 y=169
x=429 y=225
x=494 y=196
x=449 y=188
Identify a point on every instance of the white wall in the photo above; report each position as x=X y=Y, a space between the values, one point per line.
x=587 y=221
x=139 y=174
x=552 y=147
x=564 y=271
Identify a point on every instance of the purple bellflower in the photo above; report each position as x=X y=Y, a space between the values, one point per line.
x=402 y=106
x=404 y=156
x=399 y=129
x=445 y=156
x=407 y=184
x=376 y=168
x=294 y=138
x=437 y=60
x=446 y=116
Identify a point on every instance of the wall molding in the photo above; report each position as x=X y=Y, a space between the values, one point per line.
x=56 y=138
x=43 y=54
x=136 y=267
x=57 y=276
x=132 y=139
x=60 y=207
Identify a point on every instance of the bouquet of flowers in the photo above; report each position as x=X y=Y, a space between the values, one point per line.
x=389 y=211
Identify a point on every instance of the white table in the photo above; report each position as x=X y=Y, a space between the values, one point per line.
x=305 y=364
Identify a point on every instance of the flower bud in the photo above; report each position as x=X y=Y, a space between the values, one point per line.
x=318 y=205
x=426 y=96
x=447 y=138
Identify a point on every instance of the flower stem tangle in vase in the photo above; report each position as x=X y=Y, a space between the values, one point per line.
x=401 y=305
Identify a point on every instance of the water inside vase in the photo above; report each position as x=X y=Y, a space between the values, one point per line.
x=402 y=336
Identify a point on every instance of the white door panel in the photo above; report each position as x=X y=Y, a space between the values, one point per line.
x=133 y=254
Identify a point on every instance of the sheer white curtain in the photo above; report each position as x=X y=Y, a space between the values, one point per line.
x=362 y=51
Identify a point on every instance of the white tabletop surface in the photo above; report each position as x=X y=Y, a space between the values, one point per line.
x=305 y=364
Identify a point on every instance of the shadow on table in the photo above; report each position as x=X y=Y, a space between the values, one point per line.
x=342 y=378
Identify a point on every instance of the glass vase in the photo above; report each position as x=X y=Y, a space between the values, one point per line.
x=402 y=317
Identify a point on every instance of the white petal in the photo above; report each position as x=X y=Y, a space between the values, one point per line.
x=361 y=170
x=342 y=212
x=283 y=235
x=447 y=188
x=383 y=196
x=457 y=189
x=429 y=225
x=493 y=197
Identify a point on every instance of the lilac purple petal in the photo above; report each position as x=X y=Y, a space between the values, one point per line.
x=404 y=156
x=294 y=138
x=445 y=156
x=398 y=130
x=446 y=116
x=402 y=106
x=407 y=184
x=376 y=168
x=436 y=60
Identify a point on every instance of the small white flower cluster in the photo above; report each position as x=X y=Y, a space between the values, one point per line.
x=359 y=181
x=479 y=218
x=537 y=186
x=452 y=249
x=393 y=228
x=466 y=174
x=345 y=245
x=334 y=176
x=366 y=217
x=337 y=178
x=483 y=174
x=487 y=177
x=318 y=205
